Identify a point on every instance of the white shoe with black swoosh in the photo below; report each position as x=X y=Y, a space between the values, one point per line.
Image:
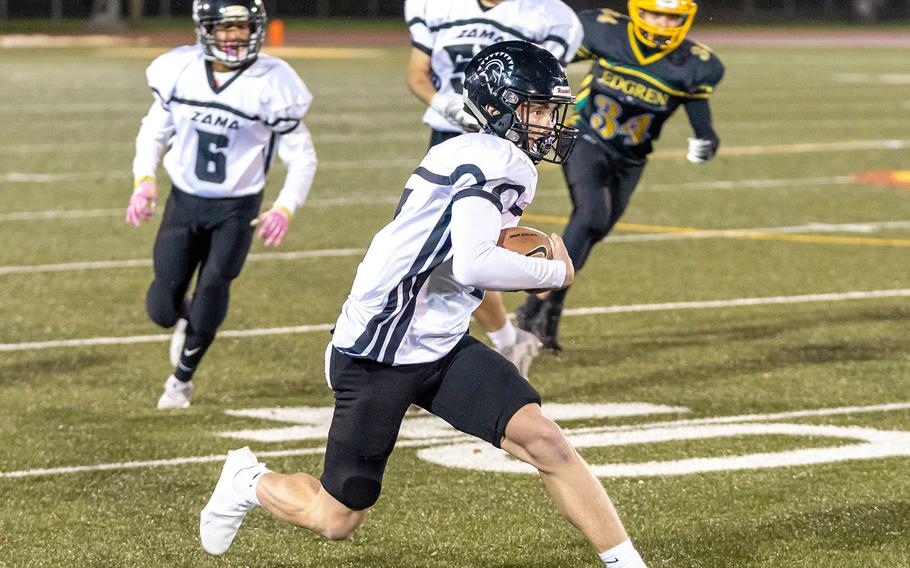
x=177 y=394
x=220 y=520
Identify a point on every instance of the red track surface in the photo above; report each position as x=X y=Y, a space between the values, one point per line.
x=739 y=37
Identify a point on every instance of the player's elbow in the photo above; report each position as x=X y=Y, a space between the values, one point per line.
x=303 y=161
x=474 y=272
x=418 y=82
x=465 y=272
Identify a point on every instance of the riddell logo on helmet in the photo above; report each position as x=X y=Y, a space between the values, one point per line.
x=235 y=13
x=668 y=4
x=562 y=91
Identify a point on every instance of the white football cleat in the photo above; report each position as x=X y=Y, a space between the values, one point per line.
x=178 y=339
x=220 y=520
x=177 y=394
x=523 y=351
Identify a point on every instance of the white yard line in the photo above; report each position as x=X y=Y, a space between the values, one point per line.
x=750 y=184
x=119 y=212
x=198 y=459
x=867 y=78
x=739 y=302
x=796 y=148
x=448 y=440
x=134 y=339
x=50 y=215
x=37 y=177
x=731 y=151
x=545 y=194
x=838 y=411
x=141 y=262
x=60 y=214
x=633 y=308
x=864 y=228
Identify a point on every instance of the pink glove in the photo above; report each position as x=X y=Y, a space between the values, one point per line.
x=273 y=224
x=142 y=202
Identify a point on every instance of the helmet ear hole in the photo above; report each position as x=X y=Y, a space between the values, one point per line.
x=509 y=97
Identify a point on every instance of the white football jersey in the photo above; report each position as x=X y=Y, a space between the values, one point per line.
x=451 y=32
x=224 y=135
x=405 y=305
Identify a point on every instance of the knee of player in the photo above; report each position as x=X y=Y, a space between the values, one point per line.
x=600 y=228
x=595 y=225
x=161 y=309
x=548 y=447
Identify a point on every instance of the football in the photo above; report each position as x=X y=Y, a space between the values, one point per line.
x=526 y=241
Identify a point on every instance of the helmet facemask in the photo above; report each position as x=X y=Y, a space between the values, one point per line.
x=231 y=53
x=659 y=37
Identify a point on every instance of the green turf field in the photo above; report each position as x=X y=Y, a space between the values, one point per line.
x=677 y=318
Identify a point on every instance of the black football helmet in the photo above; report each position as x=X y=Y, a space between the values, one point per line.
x=502 y=83
x=209 y=13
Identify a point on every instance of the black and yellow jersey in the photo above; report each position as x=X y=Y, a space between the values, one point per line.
x=632 y=90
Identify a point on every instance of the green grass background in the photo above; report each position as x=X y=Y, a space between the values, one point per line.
x=75 y=112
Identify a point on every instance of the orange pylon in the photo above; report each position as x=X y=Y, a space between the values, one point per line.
x=276 y=33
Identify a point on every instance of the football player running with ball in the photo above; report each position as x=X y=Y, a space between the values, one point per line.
x=445 y=35
x=402 y=335
x=643 y=70
x=224 y=111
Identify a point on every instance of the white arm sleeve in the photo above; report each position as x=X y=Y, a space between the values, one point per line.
x=157 y=128
x=296 y=150
x=415 y=18
x=564 y=35
x=478 y=262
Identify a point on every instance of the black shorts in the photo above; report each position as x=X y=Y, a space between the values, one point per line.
x=473 y=388
x=198 y=230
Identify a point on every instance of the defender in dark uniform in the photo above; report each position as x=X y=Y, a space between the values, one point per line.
x=644 y=69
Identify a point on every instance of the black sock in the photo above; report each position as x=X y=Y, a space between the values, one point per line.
x=557 y=297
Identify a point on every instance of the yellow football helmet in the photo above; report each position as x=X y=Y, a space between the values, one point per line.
x=657 y=36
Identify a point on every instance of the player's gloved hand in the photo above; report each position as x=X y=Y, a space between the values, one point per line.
x=143 y=200
x=700 y=150
x=451 y=106
x=273 y=224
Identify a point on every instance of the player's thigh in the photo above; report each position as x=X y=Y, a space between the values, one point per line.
x=370 y=402
x=231 y=239
x=588 y=177
x=177 y=249
x=625 y=181
x=479 y=391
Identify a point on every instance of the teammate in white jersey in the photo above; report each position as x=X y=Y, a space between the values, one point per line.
x=402 y=335
x=224 y=111
x=445 y=35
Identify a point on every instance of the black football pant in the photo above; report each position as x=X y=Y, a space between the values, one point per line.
x=213 y=236
x=600 y=188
